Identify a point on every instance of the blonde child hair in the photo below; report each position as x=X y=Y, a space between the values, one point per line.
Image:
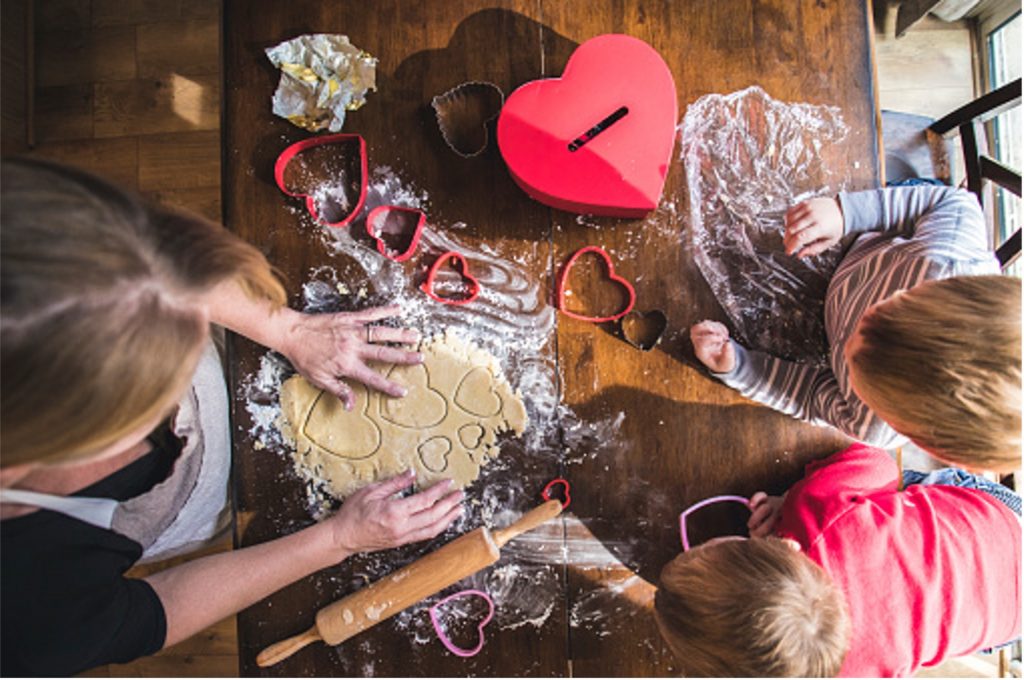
x=101 y=323
x=944 y=368
x=751 y=608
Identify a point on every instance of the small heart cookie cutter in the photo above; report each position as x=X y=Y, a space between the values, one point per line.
x=563 y=277
x=451 y=108
x=445 y=640
x=641 y=342
x=698 y=506
x=428 y=285
x=546 y=493
x=382 y=211
x=295 y=149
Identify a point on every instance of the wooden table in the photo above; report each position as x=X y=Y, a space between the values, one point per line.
x=683 y=436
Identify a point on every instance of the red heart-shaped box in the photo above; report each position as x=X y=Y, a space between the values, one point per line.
x=617 y=171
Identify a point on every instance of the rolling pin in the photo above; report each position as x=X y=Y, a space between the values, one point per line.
x=430 y=574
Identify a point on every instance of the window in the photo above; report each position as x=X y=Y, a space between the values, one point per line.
x=1003 y=64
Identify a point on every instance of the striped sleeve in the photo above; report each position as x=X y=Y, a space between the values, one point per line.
x=807 y=392
x=943 y=222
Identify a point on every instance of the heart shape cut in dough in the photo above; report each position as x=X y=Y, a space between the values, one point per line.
x=345 y=434
x=476 y=394
x=434 y=453
x=599 y=139
x=643 y=330
x=472 y=283
x=421 y=407
x=445 y=640
x=401 y=224
x=319 y=195
x=471 y=435
x=561 y=286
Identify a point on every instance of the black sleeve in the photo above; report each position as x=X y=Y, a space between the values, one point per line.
x=66 y=605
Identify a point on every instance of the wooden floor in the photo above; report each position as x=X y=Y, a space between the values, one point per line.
x=131 y=89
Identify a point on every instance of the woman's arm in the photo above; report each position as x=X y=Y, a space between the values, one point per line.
x=197 y=594
x=324 y=348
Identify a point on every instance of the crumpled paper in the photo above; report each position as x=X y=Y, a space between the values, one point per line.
x=323 y=76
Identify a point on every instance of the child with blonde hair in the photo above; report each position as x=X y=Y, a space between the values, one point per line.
x=114 y=410
x=925 y=335
x=847 y=575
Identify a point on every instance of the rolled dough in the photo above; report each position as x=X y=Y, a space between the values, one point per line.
x=446 y=426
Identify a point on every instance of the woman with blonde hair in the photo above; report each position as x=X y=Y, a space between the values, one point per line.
x=116 y=444
x=925 y=334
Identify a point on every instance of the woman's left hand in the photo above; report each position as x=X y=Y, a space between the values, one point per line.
x=329 y=348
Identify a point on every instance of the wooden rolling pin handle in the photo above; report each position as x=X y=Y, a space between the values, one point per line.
x=531 y=520
x=279 y=651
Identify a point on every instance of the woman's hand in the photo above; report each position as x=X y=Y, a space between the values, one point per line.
x=327 y=348
x=813 y=226
x=374 y=519
x=712 y=346
x=764 y=511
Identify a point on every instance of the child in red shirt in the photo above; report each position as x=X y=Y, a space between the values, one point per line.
x=851 y=576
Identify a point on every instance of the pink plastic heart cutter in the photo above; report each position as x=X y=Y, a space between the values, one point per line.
x=384 y=219
x=698 y=506
x=312 y=202
x=445 y=640
x=557 y=481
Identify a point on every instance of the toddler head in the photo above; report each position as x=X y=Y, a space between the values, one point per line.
x=751 y=608
x=102 y=313
x=941 y=363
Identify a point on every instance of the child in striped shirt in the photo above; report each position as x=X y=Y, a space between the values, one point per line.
x=924 y=333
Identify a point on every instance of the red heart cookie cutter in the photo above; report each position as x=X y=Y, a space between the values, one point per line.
x=428 y=285
x=295 y=149
x=563 y=278
x=383 y=211
x=546 y=493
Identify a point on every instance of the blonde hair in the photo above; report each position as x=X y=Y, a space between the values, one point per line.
x=751 y=608
x=942 y=363
x=101 y=320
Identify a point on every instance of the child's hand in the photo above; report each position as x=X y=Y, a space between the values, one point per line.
x=373 y=519
x=813 y=226
x=764 y=511
x=712 y=346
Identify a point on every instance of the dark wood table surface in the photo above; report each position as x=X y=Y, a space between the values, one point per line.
x=683 y=436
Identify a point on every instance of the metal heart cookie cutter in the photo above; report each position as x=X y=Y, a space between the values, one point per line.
x=290 y=153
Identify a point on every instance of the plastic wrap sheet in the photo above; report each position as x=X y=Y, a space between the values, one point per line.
x=748 y=158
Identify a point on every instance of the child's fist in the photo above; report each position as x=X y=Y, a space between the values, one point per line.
x=813 y=226
x=712 y=346
x=764 y=512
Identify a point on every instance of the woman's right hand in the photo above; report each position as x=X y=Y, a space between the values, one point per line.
x=712 y=346
x=374 y=519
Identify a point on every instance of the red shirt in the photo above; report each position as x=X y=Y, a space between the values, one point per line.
x=930 y=572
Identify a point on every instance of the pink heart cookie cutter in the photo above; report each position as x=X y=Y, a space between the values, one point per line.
x=445 y=640
x=698 y=506
x=382 y=212
x=295 y=149
x=563 y=279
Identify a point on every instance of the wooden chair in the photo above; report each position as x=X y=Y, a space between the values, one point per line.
x=978 y=165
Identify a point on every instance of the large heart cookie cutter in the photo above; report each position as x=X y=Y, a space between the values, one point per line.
x=445 y=640
x=297 y=148
x=428 y=285
x=382 y=212
x=563 y=278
